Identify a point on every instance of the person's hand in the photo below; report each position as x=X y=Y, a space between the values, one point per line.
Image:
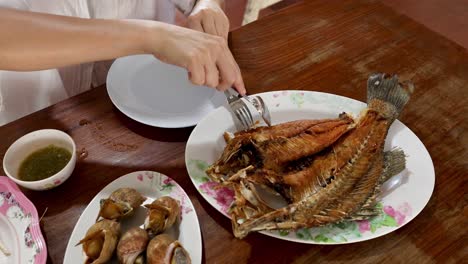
x=206 y=57
x=208 y=16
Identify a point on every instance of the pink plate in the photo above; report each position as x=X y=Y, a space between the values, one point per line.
x=20 y=232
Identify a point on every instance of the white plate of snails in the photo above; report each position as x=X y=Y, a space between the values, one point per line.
x=141 y=217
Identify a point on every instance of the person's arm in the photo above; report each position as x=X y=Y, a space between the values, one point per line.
x=35 y=41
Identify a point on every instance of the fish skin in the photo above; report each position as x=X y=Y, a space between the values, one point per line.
x=268 y=144
x=277 y=152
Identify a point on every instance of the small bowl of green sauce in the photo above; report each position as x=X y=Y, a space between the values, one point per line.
x=41 y=160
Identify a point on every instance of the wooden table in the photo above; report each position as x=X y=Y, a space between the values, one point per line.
x=330 y=47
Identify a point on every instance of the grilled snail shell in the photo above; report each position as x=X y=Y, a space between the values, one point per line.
x=162 y=214
x=100 y=241
x=131 y=245
x=120 y=203
x=162 y=249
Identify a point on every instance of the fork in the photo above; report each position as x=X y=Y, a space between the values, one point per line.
x=261 y=107
x=239 y=108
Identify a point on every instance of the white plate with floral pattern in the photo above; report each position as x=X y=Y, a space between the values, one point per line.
x=151 y=185
x=397 y=208
x=20 y=232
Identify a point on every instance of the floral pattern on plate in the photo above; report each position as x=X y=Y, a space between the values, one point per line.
x=21 y=216
x=332 y=233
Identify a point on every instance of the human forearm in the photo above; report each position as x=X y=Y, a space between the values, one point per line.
x=35 y=41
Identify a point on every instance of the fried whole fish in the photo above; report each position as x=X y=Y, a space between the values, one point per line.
x=326 y=170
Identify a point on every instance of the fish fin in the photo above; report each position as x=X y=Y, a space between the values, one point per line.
x=366 y=211
x=394 y=163
x=363 y=214
x=359 y=217
x=331 y=214
x=387 y=89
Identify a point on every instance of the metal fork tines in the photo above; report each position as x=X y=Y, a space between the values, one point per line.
x=240 y=109
x=261 y=107
x=243 y=113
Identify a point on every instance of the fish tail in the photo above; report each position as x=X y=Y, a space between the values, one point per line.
x=394 y=163
x=386 y=95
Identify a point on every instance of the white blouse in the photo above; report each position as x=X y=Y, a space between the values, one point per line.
x=22 y=93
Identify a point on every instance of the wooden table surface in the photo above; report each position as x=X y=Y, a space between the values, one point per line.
x=330 y=47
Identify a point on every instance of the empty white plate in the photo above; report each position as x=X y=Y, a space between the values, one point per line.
x=159 y=94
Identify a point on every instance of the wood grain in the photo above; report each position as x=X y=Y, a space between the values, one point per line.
x=276 y=7
x=446 y=18
x=330 y=47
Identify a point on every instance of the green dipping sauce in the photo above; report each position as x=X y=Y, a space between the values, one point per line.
x=43 y=163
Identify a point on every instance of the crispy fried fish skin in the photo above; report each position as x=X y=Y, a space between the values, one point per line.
x=273 y=147
x=279 y=151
